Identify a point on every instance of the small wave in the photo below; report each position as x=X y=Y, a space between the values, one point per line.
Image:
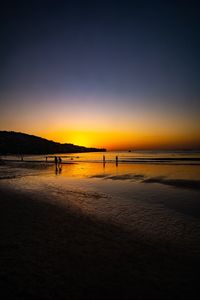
x=127 y=177
x=181 y=183
x=99 y=176
x=120 y=177
x=7 y=177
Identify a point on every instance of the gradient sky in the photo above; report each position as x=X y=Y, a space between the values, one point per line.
x=114 y=74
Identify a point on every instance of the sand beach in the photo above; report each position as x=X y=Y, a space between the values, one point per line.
x=51 y=251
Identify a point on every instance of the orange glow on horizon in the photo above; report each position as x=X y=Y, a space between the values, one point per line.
x=125 y=140
x=114 y=127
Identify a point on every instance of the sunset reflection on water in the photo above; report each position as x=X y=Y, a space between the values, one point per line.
x=85 y=170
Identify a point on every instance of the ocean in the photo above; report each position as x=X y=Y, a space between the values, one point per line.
x=142 y=187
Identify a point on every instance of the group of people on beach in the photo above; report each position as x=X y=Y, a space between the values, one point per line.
x=58 y=160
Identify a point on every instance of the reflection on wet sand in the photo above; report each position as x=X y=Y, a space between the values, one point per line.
x=130 y=171
x=58 y=169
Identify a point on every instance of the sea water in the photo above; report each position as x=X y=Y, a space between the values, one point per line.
x=154 y=193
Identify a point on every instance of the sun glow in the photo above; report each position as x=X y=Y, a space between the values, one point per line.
x=123 y=140
x=114 y=127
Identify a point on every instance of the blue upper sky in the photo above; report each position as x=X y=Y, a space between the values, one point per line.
x=139 y=53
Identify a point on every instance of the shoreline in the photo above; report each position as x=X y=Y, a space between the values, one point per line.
x=48 y=252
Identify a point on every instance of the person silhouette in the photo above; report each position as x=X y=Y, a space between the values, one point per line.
x=56 y=160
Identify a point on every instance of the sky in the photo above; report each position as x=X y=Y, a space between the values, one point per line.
x=113 y=74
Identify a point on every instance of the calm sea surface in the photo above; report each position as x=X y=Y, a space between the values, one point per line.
x=123 y=156
x=155 y=193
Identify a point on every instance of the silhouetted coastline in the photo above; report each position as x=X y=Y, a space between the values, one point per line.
x=20 y=143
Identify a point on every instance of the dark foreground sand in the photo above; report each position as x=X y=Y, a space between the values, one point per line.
x=50 y=252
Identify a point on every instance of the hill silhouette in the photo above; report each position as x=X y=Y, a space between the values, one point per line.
x=21 y=143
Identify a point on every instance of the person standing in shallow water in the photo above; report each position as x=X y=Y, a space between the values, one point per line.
x=56 y=160
x=59 y=165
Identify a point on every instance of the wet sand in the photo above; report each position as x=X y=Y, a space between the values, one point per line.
x=49 y=251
